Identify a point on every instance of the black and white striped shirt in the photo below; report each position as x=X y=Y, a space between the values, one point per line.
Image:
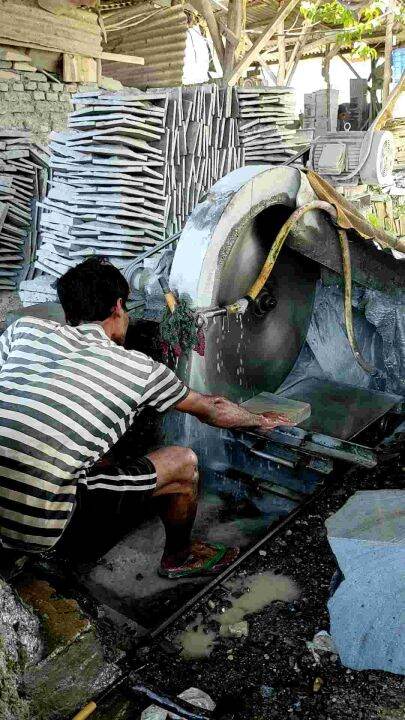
x=66 y=396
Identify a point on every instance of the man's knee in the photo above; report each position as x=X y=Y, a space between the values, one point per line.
x=188 y=464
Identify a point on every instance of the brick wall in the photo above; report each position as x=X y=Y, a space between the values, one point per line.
x=33 y=101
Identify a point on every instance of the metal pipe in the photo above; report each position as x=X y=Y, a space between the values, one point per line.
x=270 y=261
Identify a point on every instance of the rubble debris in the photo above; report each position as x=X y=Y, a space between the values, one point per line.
x=192 y=695
x=318 y=682
x=238 y=630
x=367 y=536
x=321 y=643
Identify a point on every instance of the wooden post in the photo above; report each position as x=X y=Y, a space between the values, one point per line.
x=281 y=54
x=204 y=8
x=387 y=53
x=234 y=24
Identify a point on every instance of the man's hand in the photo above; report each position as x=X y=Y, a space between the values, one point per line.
x=222 y=413
x=270 y=420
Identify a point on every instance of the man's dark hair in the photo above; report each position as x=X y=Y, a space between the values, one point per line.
x=89 y=291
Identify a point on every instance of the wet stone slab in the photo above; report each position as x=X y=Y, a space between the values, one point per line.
x=367 y=611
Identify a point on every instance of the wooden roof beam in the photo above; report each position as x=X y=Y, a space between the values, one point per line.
x=286 y=7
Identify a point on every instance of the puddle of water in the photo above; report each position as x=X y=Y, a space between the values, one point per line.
x=196 y=643
x=261 y=590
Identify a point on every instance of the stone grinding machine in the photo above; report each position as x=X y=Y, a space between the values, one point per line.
x=256 y=324
x=261 y=261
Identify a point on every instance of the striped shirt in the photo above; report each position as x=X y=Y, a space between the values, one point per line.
x=66 y=396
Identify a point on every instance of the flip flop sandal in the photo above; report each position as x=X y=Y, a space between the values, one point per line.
x=195 y=566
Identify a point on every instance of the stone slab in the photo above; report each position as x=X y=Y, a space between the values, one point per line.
x=367 y=610
x=295 y=410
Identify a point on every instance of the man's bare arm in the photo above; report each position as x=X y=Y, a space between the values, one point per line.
x=222 y=413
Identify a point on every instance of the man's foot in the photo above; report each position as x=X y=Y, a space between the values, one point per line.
x=204 y=559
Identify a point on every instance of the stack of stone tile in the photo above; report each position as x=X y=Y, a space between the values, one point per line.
x=23 y=175
x=130 y=169
x=132 y=165
x=265 y=124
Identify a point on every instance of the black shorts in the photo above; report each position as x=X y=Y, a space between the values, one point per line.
x=110 y=502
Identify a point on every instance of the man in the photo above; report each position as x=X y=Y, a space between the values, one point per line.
x=67 y=394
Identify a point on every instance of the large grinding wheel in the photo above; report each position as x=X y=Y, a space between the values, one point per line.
x=220 y=254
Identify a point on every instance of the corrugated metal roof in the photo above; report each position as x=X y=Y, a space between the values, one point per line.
x=157 y=34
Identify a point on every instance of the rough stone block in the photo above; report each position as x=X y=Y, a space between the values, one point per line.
x=6 y=64
x=18 y=87
x=367 y=536
x=74 y=665
x=9 y=75
x=88 y=87
x=38 y=95
x=44 y=86
x=71 y=87
x=57 y=87
x=36 y=77
x=30 y=85
x=3 y=87
x=25 y=66
x=52 y=97
x=109 y=83
x=64 y=97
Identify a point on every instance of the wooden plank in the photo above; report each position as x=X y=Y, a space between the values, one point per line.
x=116 y=57
x=286 y=7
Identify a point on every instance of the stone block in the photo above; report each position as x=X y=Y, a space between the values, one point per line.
x=44 y=86
x=71 y=87
x=88 y=87
x=74 y=664
x=38 y=95
x=43 y=106
x=30 y=85
x=3 y=87
x=25 y=67
x=9 y=75
x=56 y=87
x=18 y=87
x=12 y=54
x=64 y=97
x=52 y=97
x=37 y=77
x=6 y=65
x=367 y=536
x=109 y=83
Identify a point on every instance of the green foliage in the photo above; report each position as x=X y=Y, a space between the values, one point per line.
x=354 y=26
x=178 y=331
x=373 y=220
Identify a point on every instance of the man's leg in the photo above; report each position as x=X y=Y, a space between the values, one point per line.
x=177 y=498
x=176 y=493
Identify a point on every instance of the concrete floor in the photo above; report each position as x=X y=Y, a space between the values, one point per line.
x=126 y=578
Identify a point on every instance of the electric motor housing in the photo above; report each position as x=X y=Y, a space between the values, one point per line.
x=351 y=157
